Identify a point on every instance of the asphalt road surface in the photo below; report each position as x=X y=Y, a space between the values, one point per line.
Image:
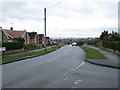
x=63 y=68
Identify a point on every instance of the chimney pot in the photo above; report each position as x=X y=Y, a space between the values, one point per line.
x=11 y=28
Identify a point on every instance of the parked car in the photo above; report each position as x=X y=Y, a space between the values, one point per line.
x=74 y=44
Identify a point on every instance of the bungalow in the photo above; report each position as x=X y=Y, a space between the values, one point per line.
x=3 y=35
x=41 y=38
x=48 y=41
x=34 y=37
x=11 y=35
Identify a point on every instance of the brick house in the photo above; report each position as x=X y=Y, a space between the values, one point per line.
x=34 y=38
x=41 y=38
x=11 y=35
x=3 y=35
x=48 y=41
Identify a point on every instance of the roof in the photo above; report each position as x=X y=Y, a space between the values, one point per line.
x=4 y=32
x=41 y=36
x=47 y=38
x=14 y=33
x=32 y=34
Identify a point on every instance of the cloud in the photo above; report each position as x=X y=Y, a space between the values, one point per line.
x=73 y=18
x=21 y=11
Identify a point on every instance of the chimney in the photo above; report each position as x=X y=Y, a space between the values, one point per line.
x=11 y=28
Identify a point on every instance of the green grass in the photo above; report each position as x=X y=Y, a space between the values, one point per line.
x=20 y=56
x=92 y=53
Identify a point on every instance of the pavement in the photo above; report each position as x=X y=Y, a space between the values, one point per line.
x=63 y=68
x=28 y=51
x=111 y=61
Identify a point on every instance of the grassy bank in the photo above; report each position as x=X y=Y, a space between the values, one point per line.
x=24 y=55
x=92 y=53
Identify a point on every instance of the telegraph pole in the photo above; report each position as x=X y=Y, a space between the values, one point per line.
x=45 y=23
x=45 y=28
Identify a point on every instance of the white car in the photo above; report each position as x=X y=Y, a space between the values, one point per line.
x=74 y=44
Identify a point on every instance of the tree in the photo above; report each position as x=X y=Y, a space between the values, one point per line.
x=111 y=40
x=115 y=37
x=104 y=36
x=95 y=41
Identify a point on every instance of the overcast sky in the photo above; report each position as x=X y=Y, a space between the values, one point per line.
x=65 y=18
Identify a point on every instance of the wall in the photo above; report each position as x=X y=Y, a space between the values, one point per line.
x=27 y=39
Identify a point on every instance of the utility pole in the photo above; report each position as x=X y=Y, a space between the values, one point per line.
x=45 y=23
x=45 y=28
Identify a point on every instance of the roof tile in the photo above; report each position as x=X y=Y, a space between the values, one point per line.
x=14 y=33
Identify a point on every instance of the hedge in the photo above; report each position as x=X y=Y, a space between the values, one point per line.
x=112 y=45
x=80 y=43
x=30 y=46
x=12 y=45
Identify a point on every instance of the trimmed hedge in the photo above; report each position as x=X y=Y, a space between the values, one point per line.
x=112 y=45
x=12 y=45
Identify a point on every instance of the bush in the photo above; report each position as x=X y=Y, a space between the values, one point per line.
x=22 y=40
x=43 y=45
x=80 y=43
x=30 y=46
x=12 y=45
x=112 y=45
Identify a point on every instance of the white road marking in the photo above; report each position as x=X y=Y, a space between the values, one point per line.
x=77 y=67
x=65 y=78
x=77 y=81
x=74 y=87
x=72 y=71
x=75 y=70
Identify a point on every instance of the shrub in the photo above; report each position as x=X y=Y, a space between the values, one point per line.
x=30 y=46
x=22 y=40
x=112 y=45
x=80 y=43
x=12 y=45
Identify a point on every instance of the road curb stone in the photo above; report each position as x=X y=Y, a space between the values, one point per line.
x=27 y=57
x=92 y=62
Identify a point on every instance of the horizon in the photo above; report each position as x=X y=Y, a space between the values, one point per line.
x=64 y=37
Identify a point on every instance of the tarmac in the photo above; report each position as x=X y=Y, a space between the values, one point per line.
x=111 y=61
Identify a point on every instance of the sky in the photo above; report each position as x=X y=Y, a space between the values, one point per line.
x=65 y=18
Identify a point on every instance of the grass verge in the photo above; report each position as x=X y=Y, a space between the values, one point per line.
x=30 y=54
x=92 y=53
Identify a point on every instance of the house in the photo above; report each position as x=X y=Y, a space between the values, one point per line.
x=41 y=38
x=48 y=41
x=34 y=37
x=11 y=35
x=3 y=35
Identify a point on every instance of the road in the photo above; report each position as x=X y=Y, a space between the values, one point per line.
x=63 y=68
